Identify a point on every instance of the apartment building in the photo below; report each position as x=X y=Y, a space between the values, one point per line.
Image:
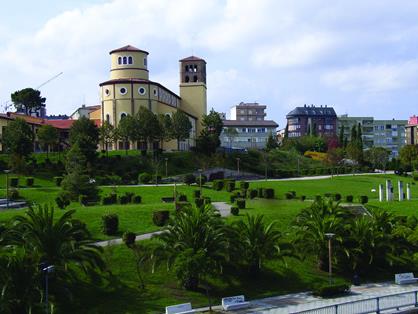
x=411 y=131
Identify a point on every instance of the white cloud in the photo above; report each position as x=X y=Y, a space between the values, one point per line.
x=374 y=78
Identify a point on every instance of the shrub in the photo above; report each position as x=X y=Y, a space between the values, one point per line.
x=30 y=181
x=206 y=201
x=217 y=185
x=58 y=180
x=182 y=198
x=328 y=195
x=110 y=224
x=243 y=185
x=107 y=200
x=128 y=238
x=230 y=186
x=144 y=178
x=349 y=198
x=243 y=193
x=241 y=203
x=330 y=290
x=234 y=210
x=83 y=199
x=14 y=182
x=268 y=193
x=123 y=199
x=136 y=199
x=63 y=199
x=252 y=193
x=160 y=217
x=302 y=198
x=198 y=202
x=189 y=179
x=260 y=192
x=196 y=193
x=318 y=198
x=293 y=193
x=232 y=198
x=129 y=195
x=13 y=194
x=337 y=197
x=204 y=179
x=364 y=199
x=182 y=205
x=415 y=175
x=288 y=195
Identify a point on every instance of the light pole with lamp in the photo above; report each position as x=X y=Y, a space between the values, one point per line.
x=7 y=188
x=200 y=181
x=329 y=236
x=47 y=270
x=166 y=167
x=238 y=159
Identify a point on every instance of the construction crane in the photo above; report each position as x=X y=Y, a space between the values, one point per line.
x=52 y=78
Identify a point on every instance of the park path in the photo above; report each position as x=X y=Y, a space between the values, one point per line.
x=223 y=208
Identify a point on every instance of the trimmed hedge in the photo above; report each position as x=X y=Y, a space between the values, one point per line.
x=337 y=197
x=268 y=193
x=288 y=196
x=243 y=185
x=234 y=210
x=349 y=198
x=243 y=193
x=160 y=217
x=327 y=290
x=58 y=180
x=110 y=224
x=137 y=199
x=252 y=193
x=232 y=198
x=123 y=199
x=196 y=194
x=109 y=199
x=260 y=192
x=128 y=238
x=230 y=186
x=303 y=198
x=241 y=203
x=83 y=199
x=217 y=185
x=14 y=182
x=30 y=181
x=144 y=177
x=63 y=199
x=129 y=195
x=364 y=199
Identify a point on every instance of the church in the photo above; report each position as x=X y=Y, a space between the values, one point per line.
x=129 y=88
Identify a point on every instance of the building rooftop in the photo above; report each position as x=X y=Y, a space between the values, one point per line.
x=128 y=48
x=312 y=111
x=250 y=104
x=253 y=123
x=192 y=58
x=60 y=124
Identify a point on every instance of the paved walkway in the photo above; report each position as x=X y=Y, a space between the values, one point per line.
x=224 y=210
x=297 y=302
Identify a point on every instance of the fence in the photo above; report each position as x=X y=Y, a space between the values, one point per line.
x=370 y=305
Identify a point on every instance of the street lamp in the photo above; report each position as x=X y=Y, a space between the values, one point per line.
x=200 y=181
x=47 y=270
x=7 y=188
x=238 y=159
x=166 y=167
x=329 y=236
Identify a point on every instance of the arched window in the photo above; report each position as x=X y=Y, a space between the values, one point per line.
x=122 y=115
x=125 y=60
x=195 y=78
x=129 y=60
x=145 y=61
x=194 y=68
x=186 y=68
x=108 y=118
x=119 y=60
x=187 y=79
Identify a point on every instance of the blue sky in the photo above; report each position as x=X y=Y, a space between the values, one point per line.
x=359 y=56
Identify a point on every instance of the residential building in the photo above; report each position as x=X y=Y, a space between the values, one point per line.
x=411 y=131
x=130 y=88
x=320 y=120
x=248 y=112
x=84 y=111
x=366 y=124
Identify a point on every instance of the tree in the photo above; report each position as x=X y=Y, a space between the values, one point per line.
x=208 y=139
x=231 y=134
x=257 y=241
x=107 y=135
x=359 y=137
x=127 y=131
x=181 y=127
x=48 y=137
x=85 y=134
x=166 y=127
x=271 y=142
x=408 y=154
x=195 y=243
x=28 y=100
x=213 y=123
x=341 y=135
x=353 y=134
x=334 y=156
x=148 y=127
x=18 y=141
x=378 y=157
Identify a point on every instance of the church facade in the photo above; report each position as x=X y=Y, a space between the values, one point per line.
x=129 y=88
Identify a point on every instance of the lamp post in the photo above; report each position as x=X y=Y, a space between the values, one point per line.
x=166 y=167
x=238 y=159
x=200 y=181
x=329 y=236
x=47 y=270
x=7 y=188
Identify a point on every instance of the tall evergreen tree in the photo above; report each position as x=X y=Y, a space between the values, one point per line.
x=341 y=135
x=181 y=127
x=48 y=137
x=353 y=134
x=28 y=100
x=359 y=137
x=85 y=134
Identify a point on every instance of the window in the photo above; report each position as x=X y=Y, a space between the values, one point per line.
x=261 y=130
x=187 y=79
x=123 y=90
x=195 y=78
x=141 y=91
x=242 y=111
x=107 y=92
x=119 y=60
x=123 y=115
x=244 y=130
x=125 y=60
x=251 y=130
x=130 y=60
x=108 y=118
x=145 y=61
x=155 y=92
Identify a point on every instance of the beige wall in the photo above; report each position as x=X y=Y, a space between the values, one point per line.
x=135 y=70
x=193 y=101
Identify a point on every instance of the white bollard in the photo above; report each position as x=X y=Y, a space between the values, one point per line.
x=381 y=193
x=400 y=191
x=408 y=191
x=389 y=191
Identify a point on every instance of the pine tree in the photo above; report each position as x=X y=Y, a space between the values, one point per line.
x=341 y=135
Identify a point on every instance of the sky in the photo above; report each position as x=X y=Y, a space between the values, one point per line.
x=361 y=57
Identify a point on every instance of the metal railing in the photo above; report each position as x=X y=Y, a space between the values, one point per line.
x=370 y=305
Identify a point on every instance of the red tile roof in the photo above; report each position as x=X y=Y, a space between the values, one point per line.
x=60 y=124
x=192 y=58
x=128 y=48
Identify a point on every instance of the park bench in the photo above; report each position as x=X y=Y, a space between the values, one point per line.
x=234 y=303
x=184 y=308
x=405 y=278
x=167 y=199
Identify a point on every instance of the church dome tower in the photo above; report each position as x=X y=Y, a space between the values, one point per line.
x=129 y=62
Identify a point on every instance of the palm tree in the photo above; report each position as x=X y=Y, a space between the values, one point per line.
x=195 y=243
x=258 y=241
x=62 y=243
